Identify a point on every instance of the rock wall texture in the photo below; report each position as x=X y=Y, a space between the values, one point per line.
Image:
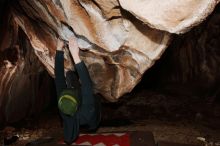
x=119 y=40
x=24 y=84
x=174 y=16
x=118 y=46
x=193 y=58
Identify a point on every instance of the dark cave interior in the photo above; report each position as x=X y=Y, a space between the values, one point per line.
x=183 y=85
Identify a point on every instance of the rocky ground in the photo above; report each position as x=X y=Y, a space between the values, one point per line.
x=179 y=119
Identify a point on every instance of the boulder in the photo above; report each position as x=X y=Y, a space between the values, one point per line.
x=119 y=40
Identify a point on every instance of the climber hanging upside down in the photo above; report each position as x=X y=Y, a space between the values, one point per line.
x=76 y=102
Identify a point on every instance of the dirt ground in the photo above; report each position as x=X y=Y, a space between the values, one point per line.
x=172 y=119
x=179 y=132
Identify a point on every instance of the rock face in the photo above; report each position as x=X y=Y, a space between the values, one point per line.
x=185 y=81
x=119 y=41
x=117 y=46
x=24 y=84
x=174 y=16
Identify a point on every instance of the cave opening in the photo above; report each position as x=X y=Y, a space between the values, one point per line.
x=177 y=99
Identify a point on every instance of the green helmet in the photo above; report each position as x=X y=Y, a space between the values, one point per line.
x=68 y=102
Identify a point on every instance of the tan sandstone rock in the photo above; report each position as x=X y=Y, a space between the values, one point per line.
x=174 y=16
x=117 y=46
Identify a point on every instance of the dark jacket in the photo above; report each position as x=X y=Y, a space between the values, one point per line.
x=89 y=111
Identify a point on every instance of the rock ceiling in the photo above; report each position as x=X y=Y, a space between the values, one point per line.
x=119 y=39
